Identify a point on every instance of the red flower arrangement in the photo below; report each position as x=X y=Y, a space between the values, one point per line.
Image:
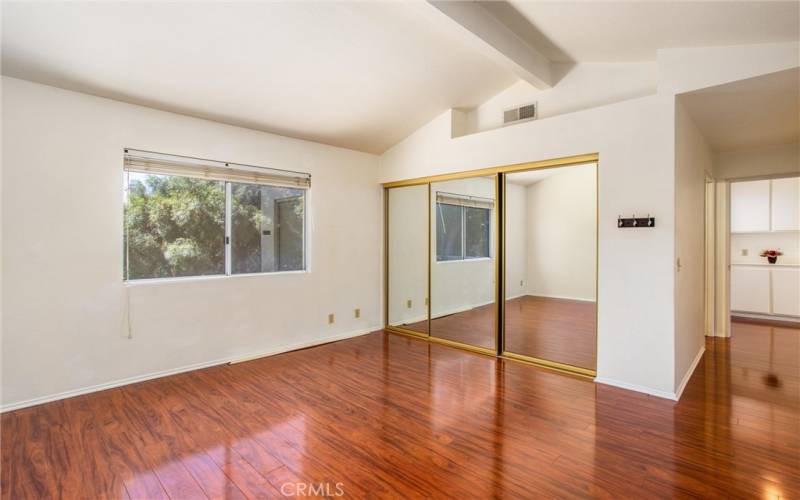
x=771 y=255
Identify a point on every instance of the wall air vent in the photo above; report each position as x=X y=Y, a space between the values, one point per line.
x=520 y=114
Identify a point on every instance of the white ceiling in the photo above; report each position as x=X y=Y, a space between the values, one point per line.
x=351 y=74
x=593 y=31
x=357 y=75
x=761 y=111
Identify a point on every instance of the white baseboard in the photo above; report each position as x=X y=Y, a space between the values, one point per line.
x=561 y=297
x=689 y=372
x=637 y=388
x=457 y=310
x=173 y=371
x=772 y=317
x=442 y=314
x=673 y=396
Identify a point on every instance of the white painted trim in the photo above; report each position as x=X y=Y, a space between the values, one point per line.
x=561 y=297
x=209 y=277
x=771 y=317
x=173 y=371
x=637 y=388
x=673 y=396
x=689 y=372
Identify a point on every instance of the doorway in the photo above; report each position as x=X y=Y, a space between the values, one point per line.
x=764 y=249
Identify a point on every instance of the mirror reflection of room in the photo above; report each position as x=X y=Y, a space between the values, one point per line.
x=551 y=264
x=408 y=257
x=463 y=266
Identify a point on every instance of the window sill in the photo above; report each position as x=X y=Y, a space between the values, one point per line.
x=461 y=261
x=211 y=277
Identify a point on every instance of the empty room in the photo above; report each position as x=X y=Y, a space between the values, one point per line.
x=403 y=249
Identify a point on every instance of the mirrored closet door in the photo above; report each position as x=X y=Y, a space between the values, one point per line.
x=550 y=313
x=407 y=253
x=463 y=261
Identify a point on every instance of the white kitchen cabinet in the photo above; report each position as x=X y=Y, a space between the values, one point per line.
x=750 y=206
x=786 y=290
x=786 y=204
x=750 y=289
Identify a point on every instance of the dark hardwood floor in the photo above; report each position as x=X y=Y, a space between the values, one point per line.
x=390 y=416
x=558 y=330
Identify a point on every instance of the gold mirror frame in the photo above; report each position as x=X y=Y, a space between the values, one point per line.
x=500 y=246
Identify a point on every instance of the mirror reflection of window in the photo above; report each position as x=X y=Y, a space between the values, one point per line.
x=463 y=272
x=477 y=223
x=449 y=232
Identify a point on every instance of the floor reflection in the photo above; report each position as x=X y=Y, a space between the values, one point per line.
x=387 y=415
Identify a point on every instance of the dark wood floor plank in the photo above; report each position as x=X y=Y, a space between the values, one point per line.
x=88 y=475
x=560 y=330
x=389 y=416
x=124 y=450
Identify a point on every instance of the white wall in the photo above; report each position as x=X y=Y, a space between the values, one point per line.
x=767 y=161
x=516 y=240
x=580 y=86
x=64 y=299
x=693 y=160
x=635 y=142
x=408 y=254
x=562 y=235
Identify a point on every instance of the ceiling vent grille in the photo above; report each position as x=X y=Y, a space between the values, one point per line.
x=520 y=114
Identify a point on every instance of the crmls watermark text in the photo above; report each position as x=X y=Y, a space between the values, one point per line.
x=312 y=489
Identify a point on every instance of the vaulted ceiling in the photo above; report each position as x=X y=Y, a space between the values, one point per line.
x=356 y=75
x=756 y=112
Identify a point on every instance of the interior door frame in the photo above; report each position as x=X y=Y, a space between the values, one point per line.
x=500 y=250
x=723 y=309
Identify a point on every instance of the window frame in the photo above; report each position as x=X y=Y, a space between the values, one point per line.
x=228 y=236
x=463 y=213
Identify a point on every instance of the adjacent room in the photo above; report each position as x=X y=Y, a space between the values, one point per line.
x=417 y=249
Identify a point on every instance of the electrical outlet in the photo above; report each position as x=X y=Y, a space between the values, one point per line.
x=520 y=282
x=357 y=313
x=408 y=303
x=331 y=318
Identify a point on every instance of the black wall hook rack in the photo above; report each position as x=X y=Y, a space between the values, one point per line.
x=636 y=221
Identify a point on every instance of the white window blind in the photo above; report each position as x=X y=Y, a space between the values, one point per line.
x=464 y=200
x=164 y=164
